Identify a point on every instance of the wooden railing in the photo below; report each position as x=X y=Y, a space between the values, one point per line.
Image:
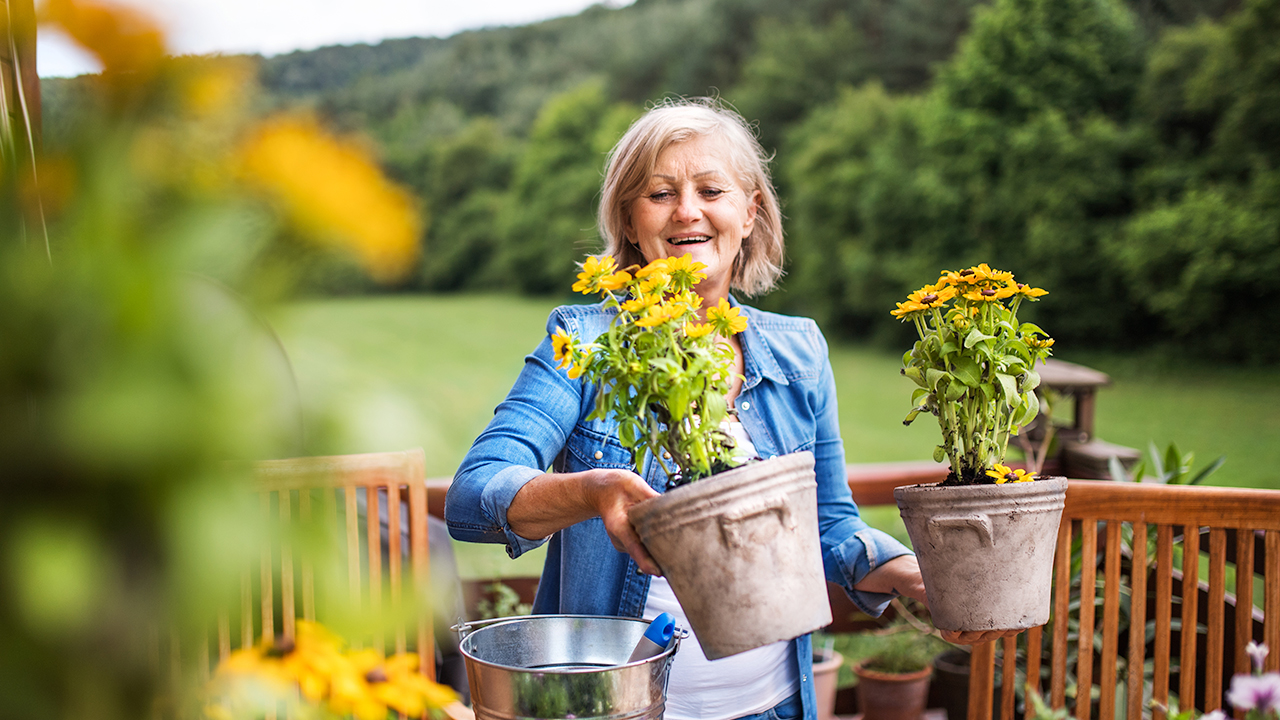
x=1096 y=634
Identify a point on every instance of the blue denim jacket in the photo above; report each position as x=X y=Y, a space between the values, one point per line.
x=787 y=404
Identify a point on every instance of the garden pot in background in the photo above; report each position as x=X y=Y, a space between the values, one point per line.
x=985 y=551
x=885 y=696
x=826 y=673
x=741 y=552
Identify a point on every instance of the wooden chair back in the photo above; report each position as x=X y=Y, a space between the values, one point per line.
x=1171 y=557
x=310 y=489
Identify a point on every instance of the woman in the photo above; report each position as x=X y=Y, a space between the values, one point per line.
x=688 y=177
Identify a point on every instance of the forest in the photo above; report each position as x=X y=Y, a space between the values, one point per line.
x=1123 y=155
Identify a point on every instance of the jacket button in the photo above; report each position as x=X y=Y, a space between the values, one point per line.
x=666 y=456
x=599 y=455
x=746 y=405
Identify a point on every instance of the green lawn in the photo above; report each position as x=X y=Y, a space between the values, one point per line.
x=407 y=371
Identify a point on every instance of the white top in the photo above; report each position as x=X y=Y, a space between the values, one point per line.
x=742 y=684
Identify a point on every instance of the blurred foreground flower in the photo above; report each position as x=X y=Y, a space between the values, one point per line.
x=332 y=190
x=314 y=672
x=122 y=39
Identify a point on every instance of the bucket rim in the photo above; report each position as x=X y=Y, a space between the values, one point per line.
x=498 y=622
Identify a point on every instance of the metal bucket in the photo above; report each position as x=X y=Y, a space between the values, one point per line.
x=563 y=666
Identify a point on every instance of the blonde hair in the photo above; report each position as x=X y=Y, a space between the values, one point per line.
x=632 y=161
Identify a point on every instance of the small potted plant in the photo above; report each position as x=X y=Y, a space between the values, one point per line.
x=985 y=536
x=893 y=681
x=730 y=532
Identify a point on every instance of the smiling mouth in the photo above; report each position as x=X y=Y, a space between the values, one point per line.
x=697 y=239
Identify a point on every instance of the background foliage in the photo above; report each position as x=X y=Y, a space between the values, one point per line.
x=1121 y=155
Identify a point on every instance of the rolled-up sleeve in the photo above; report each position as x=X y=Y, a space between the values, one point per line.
x=850 y=548
x=529 y=428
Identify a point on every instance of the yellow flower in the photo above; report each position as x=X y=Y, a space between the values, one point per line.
x=1039 y=343
x=907 y=308
x=684 y=272
x=982 y=294
x=561 y=344
x=637 y=304
x=659 y=314
x=984 y=273
x=659 y=266
x=616 y=281
x=932 y=296
x=124 y=40
x=1003 y=474
x=1028 y=291
x=697 y=330
x=594 y=270
x=334 y=192
x=727 y=320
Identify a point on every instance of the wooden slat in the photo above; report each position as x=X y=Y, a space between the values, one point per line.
x=287 y=607
x=1173 y=504
x=1164 y=618
x=267 y=595
x=1137 y=622
x=1061 y=606
x=246 y=610
x=1035 y=645
x=1215 y=614
x=1088 y=587
x=353 y=546
x=308 y=568
x=1244 y=598
x=373 y=546
x=1271 y=585
x=1009 y=676
x=1110 y=622
x=981 y=680
x=394 y=560
x=1190 y=614
x=419 y=553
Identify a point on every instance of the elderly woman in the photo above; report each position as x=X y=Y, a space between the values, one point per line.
x=688 y=177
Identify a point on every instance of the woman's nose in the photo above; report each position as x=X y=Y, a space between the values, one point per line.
x=688 y=209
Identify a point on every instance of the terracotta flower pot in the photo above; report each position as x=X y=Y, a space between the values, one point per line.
x=985 y=551
x=886 y=696
x=826 y=673
x=741 y=552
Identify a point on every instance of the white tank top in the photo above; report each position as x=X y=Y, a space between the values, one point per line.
x=742 y=684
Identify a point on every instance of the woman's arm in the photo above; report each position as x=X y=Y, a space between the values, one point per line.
x=503 y=492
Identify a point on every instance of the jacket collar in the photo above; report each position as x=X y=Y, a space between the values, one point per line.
x=757 y=359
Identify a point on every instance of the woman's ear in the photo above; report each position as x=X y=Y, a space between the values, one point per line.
x=752 y=209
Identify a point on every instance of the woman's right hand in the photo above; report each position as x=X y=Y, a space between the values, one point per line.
x=554 y=501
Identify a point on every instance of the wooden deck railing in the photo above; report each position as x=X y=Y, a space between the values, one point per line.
x=1097 y=633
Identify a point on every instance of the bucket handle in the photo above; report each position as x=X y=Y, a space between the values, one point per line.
x=981 y=524
x=730 y=521
x=466 y=628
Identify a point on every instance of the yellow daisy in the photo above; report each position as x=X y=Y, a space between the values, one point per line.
x=1003 y=474
x=726 y=319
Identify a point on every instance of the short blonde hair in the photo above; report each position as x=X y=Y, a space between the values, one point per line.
x=632 y=161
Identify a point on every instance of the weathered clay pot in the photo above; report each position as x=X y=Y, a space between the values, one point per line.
x=885 y=696
x=826 y=673
x=985 y=551
x=741 y=552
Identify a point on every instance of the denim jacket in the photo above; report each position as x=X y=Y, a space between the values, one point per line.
x=787 y=404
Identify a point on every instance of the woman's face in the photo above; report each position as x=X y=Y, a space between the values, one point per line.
x=694 y=204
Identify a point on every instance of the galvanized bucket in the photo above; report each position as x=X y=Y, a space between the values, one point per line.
x=563 y=666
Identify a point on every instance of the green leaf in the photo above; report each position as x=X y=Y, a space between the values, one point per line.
x=955 y=391
x=939 y=453
x=917 y=395
x=968 y=371
x=916 y=376
x=948 y=348
x=1010 y=387
x=974 y=337
x=933 y=377
x=911 y=416
x=1030 y=381
x=1031 y=328
x=1028 y=411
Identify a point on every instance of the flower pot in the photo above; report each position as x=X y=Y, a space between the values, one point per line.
x=886 y=696
x=741 y=552
x=826 y=672
x=985 y=551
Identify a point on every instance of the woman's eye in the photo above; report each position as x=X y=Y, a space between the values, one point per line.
x=661 y=195
x=712 y=192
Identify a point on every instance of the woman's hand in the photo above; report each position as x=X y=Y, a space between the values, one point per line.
x=901 y=576
x=554 y=501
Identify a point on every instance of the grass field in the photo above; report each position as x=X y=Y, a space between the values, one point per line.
x=406 y=371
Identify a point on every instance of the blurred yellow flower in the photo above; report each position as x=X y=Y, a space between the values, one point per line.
x=635 y=305
x=124 y=40
x=685 y=273
x=660 y=313
x=906 y=308
x=726 y=319
x=561 y=343
x=697 y=330
x=218 y=86
x=334 y=192
x=594 y=268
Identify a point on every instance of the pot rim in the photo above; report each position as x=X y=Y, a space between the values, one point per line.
x=861 y=671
